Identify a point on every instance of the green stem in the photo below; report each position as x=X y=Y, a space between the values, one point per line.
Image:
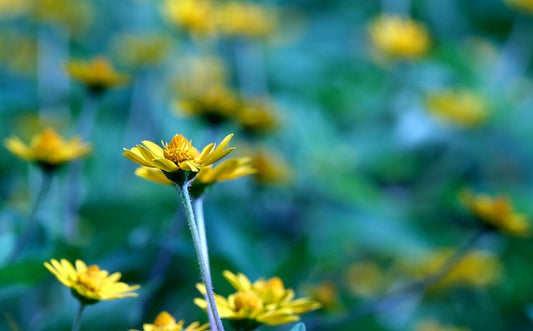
x=198 y=206
x=77 y=321
x=32 y=221
x=203 y=259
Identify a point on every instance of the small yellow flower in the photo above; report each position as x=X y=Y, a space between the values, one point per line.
x=477 y=268
x=497 y=213
x=90 y=284
x=271 y=168
x=266 y=301
x=400 y=37
x=165 y=322
x=526 y=5
x=460 y=107
x=257 y=116
x=431 y=325
x=326 y=293
x=98 y=74
x=48 y=149
x=215 y=104
x=196 y=16
x=178 y=156
x=245 y=19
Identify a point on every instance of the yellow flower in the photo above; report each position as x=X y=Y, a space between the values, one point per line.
x=526 y=5
x=476 y=268
x=48 y=149
x=11 y=8
x=196 y=16
x=262 y=302
x=76 y=15
x=271 y=169
x=165 y=322
x=178 y=156
x=399 y=37
x=431 y=325
x=497 y=213
x=214 y=104
x=154 y=175
x=98 y=74
x=326 y=293
x=90 y=284
x=245 y=19
x=257 y=116
x=227 y=170
x=460 y=107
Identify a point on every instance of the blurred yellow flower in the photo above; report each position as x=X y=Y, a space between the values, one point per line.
x=199 y=73
x=271 y=168
x=214 y=104
x=48 y=149
x=196 y=16
x=431 y=325
x=364 y=279
x=476 y=268
x=165 y=322
x=326 y=293
x=245 y=19
x=98 y=74
x=459 y=107
x=262 y=302
x=257 y=116
x=526 y=5
x=141 y=51
x=399 y=37
x=496 y=213
x=90 y=284
x=227 y=170
x=76 y=15
x=178 y=156
x=10 y=8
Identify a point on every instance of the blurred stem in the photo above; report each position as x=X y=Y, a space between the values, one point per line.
x=77 y=321
x=72 y=200
x=32 y=221
x=203 y=258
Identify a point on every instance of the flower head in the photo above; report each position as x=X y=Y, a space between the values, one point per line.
x=90 y=284
x=196 y=16
x=48 y=149
x=265 y=301
x=399 y=37
x=178 y=156
x=257 y=116
x=271 y=168
x=245 y=19
x=165 y=322
x=497 y=213
x=98 y=74
x=460 y=107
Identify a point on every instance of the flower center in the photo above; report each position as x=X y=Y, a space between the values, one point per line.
x=101 y=66
x=91 y=278
x=48 y=143
x=179 y=150
x=247 y=300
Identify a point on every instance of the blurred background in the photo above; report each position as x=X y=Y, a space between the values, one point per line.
x=364 y=120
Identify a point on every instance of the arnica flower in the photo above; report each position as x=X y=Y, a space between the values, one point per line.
x=97 y=75
x=245 y=19
x=90 y=284
x=497 y=213
x=165 y=322
x=460 y=107
x=195 y=16
x=526 y=5
x=214 y=104
x=48 y=149
x=432 y=325
x=179 y=158
x=399 y=37
x=476 y=269
x=262 y=302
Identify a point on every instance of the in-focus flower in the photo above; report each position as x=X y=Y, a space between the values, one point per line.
x=97 y=75
x=214 y=104
x=245 y=19
x=48 y=149
x=195 y=16
x=525 y=5
x=179 y=157
x=257 y=116
x=265 y=301
x=90 y=284
x=477 y=268
x=496 y=212
x=399 y=37
x=431 y=325
x=166 y=322
x=460 y=107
